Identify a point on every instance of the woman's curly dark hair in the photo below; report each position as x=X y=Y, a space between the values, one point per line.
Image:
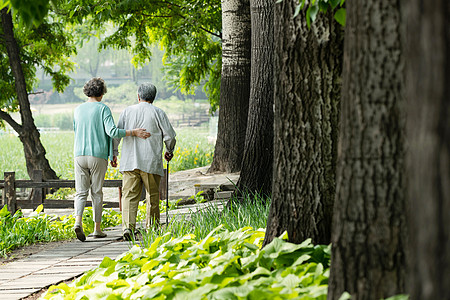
x=95 y=87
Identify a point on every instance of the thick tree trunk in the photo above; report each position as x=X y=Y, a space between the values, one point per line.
x=256 y=171
x=235 y=86
x=28 y=133
x=369 y=230
x=428 y=158
x=308 y=64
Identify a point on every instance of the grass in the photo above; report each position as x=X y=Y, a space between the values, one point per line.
x=252 y=212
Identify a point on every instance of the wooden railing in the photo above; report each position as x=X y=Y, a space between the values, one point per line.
x=40 y=186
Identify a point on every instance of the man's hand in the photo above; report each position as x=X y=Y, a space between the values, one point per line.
x=140 y=133
x=114 y=162
x=168 y=156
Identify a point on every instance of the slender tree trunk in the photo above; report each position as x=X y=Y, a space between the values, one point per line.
x=369 y=234
x=28 y=133
x=428 y=158
x=308 y=64
x=235 y=86
x=256 y=171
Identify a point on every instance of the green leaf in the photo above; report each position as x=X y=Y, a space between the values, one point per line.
x=4 y=211
x=297 y=11
x=118 y=283
x=313 y=12
x=107 y=262
x=345 y=296
x=399 y=297
x=4 y=4
x=340 y=16
x=334 y=3
x=39 y=208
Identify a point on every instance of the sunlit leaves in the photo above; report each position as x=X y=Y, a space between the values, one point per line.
x=213 y=268
x=188 y=31
x=46 y=46
x=315 y=6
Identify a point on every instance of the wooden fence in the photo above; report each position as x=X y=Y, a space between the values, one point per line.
x=40 y=187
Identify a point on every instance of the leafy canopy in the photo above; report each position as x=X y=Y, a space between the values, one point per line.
x=188 y=31
x=46 y=46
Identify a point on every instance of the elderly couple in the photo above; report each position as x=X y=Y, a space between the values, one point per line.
x=143 y=128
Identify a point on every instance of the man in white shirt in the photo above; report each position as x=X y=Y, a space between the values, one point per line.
x=141 y=161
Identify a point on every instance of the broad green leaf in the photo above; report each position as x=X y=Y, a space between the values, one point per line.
x=334 y=3
x=258 y=272
x=107 y=262
x=118 y=283
x=345 y=296
x=314 y=9
x=149 y=265
x=297 y=10
x=4 y=211
x=398 y=297
x=290 y=281
x=340 y=16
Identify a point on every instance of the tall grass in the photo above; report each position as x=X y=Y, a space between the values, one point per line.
x=252 y=211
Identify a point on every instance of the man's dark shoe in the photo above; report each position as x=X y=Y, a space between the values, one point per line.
x=127 y=235
x=79 y=232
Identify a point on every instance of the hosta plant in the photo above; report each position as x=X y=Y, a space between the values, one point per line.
x=223 y=265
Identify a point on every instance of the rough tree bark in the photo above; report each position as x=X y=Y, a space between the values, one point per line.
x=307 y=67
x=428 y=158
x=235 y=86
x=257 y=162
x=369 y=224
x=28 y=133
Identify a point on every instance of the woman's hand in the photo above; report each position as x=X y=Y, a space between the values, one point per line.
x=140 y=133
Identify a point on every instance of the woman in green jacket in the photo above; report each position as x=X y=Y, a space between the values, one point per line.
x=94 y=130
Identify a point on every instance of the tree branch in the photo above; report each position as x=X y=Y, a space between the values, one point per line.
x=7 y=117
x=219 y=35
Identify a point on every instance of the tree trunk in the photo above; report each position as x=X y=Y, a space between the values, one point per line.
x=256 y=171
x=308 y=64
x=28 y=133
x=235 y=86
x=428 y=158
x=369 y=235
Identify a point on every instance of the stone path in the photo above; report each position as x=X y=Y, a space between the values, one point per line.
x=24 y=277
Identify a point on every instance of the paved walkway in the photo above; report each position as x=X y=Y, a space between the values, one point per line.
x=24 y=277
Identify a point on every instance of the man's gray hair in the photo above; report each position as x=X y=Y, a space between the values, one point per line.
x=147 y=92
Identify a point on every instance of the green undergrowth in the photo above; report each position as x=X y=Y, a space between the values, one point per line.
x=223 y=265
x=18 y=230
x=252 y=211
